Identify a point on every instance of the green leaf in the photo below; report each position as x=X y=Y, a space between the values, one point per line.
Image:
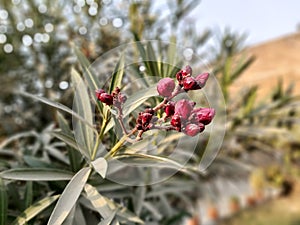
x=60 y=106
x=146 y=160
x=139 y=98
x=108 y=220
x=74 y=156
x=141 y=48
x=34 y=210
x=83 y=133
x=90 y=77
x=28 y=194
x=249 y=100
x=117 y=76
x=3 y=203
x=69 y=140
x=69 y=197
x=151 y=61
x=100 y=166
x=98 y=201
x=37 y=174
x=92 y=80
x=138 y=199
x=34 y=162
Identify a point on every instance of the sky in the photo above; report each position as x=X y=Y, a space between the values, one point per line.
x=262 y=20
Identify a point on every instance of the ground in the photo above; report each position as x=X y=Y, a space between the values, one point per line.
x=280 y=211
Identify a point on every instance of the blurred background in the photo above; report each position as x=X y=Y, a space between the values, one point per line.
x=253 y=48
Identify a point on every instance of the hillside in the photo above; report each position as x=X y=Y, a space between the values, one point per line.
x=275 y=59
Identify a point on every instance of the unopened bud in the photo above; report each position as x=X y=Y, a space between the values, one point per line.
x=184 y=108
x=190 y=83
x=176 y=122
x=201 y=79
x=165 y=87
x=106 y=98
x=99 y=92
x=204 y=115
x=170 y=109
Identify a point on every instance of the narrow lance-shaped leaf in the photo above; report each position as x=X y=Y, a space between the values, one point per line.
x=74 y=156
x=59 y=106
x=28 y=194
x=139 y=98
x=100 y=166
x=108 y=220
x=123 y=214
x=83 y=133
x=98 y=201
x=34 y=210
x=36 y=174
x=151 y=62
x=69 y=197
x=117 y=75
x=92 y=81
x=71 y=142
x=3 y=203
x=91 y=78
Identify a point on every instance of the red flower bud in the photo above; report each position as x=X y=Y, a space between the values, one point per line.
x=184 y=108
x=99 y=92
x=165 y=87
x=176 y=122
x=190 y=83
x=201 y=79
x=204 y=115
x=170 y=109
x=182 y=74
x=146 y=118
x=143 y=121
x=106 y=98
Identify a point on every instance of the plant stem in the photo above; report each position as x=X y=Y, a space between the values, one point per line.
x=119 y=144
x=99 y=138
x=120 y=119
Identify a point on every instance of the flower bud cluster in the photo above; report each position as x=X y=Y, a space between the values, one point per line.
x=116 y=98
x=184 y=117
x=190 y=120
x=146 y=120
x=185 y=79
x=181 y=116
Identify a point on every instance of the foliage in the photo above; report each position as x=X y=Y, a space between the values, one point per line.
x=85 y=164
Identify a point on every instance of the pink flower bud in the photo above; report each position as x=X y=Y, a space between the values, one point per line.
x=192 y=130
x=165 y=87
x=170 y=109
x=176 y=122
x=190 y=83
x=201 y=79
x=184 y=108
x=204 y=115
x=99 y=92
x=106 y=98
